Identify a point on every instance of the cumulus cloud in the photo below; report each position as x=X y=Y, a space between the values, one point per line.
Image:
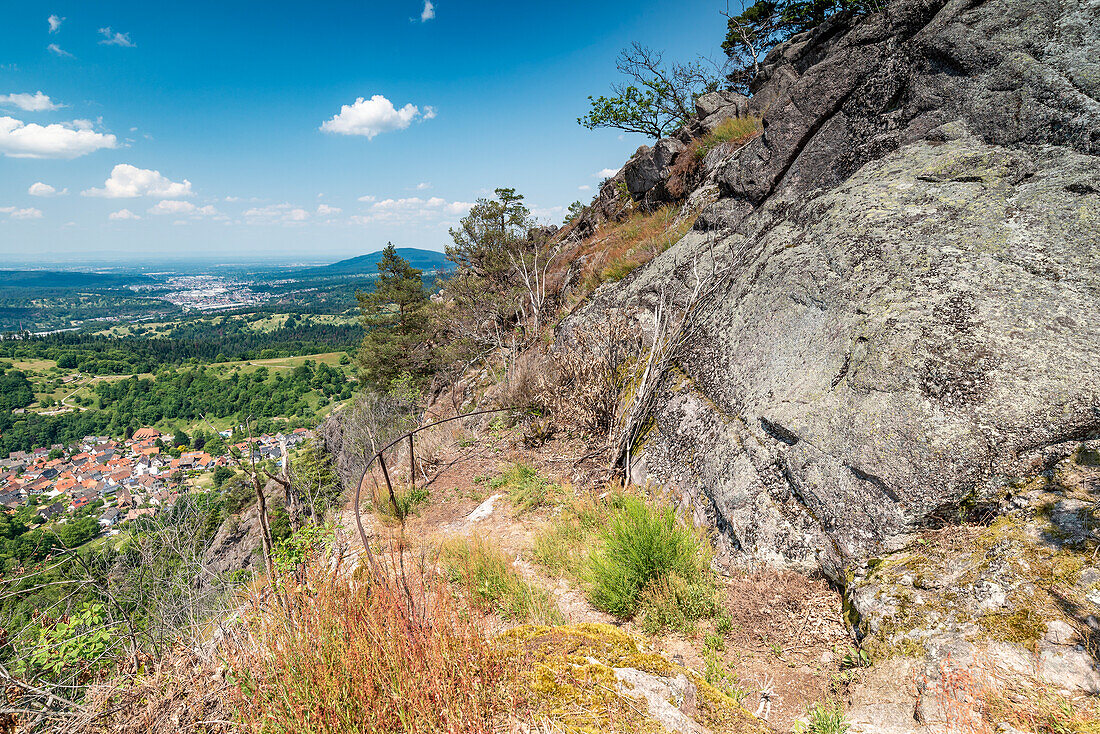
x=54 y=48
x=36 y=102
x=367 y=198
x=423 y=185
x=324 y=210
x=55 y=22
x=57 y=140
x=428 y=12
x=44 y=189
x=413 y=209
x=584 y=187
x=372 y=116
x=605 y=173
x=122 y=215
x=111 y=38
x=30 y=213
x=130 y=182
x=172 y=207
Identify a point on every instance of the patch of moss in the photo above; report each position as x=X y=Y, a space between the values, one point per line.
x=1023 y=627
x=566 y=675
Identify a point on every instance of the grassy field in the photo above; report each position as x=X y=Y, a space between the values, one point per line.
x=280 y=363
x=265 y=323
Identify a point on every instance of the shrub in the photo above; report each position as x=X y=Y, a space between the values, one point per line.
x=643 y=545
x=339 y=655
x=491 y=583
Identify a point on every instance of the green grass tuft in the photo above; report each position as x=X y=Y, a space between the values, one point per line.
x=526 y=489
x=644 y=545
x=492 y=584
x=824 y=718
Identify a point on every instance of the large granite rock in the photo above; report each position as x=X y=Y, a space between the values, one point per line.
x=911 y=308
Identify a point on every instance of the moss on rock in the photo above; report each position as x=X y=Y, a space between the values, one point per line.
x=567 y=675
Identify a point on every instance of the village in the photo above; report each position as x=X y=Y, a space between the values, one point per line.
x=120 y=481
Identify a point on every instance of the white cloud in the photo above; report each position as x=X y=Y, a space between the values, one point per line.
x=6 y=209
x=276 y=214
x=181 y=208
x=428 y=12
x=129 y=182
x=55 y=22
x=372 y=116
x=122 y=215
x=413 y=209
x=36 y=102
x=111 y=38
x=57 y=140
x=59 y=51
x=546 y=213
x=605 y=173
x=44 y=189
x=421 y=186
x=172 y=207
x=30 y=213
x=367 y=198
x=584 y=187
x=324 y=210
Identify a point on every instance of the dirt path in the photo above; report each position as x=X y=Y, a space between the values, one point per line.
x=787 y=635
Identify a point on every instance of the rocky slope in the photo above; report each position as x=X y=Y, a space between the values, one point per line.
x=906 y=333
x=909 y=247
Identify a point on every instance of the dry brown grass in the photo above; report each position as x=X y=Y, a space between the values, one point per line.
x=388 y=653
x=684 y=175
x=619 y=247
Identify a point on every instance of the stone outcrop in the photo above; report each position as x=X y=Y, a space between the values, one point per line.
x=908 y=308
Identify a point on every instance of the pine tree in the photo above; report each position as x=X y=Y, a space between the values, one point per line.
x=393 y=315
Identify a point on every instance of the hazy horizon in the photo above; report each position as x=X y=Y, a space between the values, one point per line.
x=133 y=133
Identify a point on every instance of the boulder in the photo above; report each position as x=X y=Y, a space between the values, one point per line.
x=713 y=102
x=646 y=172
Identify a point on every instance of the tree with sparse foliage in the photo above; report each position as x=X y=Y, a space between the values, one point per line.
x=393 y=315
x=658 y=99
x=498 y=289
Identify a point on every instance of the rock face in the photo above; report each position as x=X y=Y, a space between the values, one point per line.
x=910 y=307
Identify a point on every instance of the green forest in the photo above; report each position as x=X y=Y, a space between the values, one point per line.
x=182 y=395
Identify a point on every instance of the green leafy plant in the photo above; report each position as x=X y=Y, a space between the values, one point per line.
x=302 y=545
x=77 y=641
x=855 y=658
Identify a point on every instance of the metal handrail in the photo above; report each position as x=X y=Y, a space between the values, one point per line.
x=412 y=466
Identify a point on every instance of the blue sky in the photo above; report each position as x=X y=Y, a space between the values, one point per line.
x=195 y=129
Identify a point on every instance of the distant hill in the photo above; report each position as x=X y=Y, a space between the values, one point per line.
x=425 y=260
x=54 y=281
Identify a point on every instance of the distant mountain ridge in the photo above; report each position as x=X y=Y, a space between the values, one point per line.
x=424 y=260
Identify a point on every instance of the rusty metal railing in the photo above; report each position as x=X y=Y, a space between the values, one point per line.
x=381 y=459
